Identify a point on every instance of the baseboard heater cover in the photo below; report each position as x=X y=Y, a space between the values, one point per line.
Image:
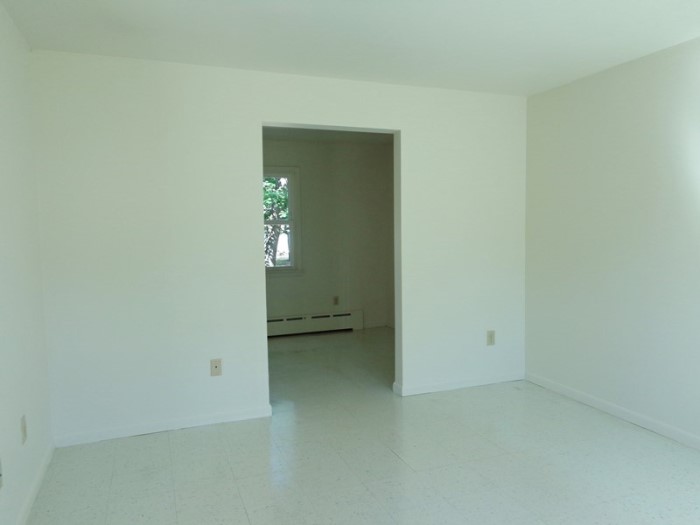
x=303 y=324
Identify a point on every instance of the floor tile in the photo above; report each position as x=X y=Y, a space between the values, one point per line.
x=341 y=448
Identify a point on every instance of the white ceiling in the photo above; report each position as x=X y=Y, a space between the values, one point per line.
x=503 y=46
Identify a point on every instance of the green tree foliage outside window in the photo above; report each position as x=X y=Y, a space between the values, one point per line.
x=277 y=217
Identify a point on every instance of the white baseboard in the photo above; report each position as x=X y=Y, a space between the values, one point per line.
x=311 y=323
x=413 y=390
x=675 y=433
x=161 y=426
x=36 y=486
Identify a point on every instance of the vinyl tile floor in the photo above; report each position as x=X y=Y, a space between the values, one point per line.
x=342 y=448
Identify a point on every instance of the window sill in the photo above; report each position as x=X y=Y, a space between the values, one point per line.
x=282 y=272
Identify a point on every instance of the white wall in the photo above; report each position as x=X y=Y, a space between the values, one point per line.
x=23 y=362
x=613 y=223
x=346 y=206
x=364 y=195
x=151 y=205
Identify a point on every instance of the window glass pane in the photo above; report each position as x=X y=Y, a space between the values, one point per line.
x=277 y=241
x=275 y=198
x=278 y=222
x=283 y=254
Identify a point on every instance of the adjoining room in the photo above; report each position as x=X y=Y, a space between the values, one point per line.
x=383 y=263
x=329 y=243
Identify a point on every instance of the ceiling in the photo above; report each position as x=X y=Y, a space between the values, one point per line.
x=502 y=46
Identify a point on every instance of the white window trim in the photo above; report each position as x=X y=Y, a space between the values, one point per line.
x=292 y=175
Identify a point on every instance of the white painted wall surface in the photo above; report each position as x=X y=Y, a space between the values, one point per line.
x=364 y=196
x=613 y=223
x=23 y=360
x=151 y=205
x=346 y=205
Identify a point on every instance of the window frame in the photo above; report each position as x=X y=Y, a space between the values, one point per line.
x=291 y=173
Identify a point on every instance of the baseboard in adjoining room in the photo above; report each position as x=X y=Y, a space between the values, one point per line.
x=315 y=323
x=161 y=426
x=664 y=429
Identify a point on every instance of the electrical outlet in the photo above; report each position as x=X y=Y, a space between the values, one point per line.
x=490 y=337
x=215 y=367
x=23 y=428
x=336 y=300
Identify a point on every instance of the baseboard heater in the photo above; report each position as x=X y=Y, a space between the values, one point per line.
x=304 y=324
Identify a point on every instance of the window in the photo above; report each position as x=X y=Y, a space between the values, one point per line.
x=280 y=197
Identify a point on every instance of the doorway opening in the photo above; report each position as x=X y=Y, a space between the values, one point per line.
x=330 y=206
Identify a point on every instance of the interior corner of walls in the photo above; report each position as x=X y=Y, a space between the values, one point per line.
x=675 y=433
x=68 y=440
x=36 y=486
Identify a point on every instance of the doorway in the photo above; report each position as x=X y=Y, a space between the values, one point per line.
x=330 y=206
